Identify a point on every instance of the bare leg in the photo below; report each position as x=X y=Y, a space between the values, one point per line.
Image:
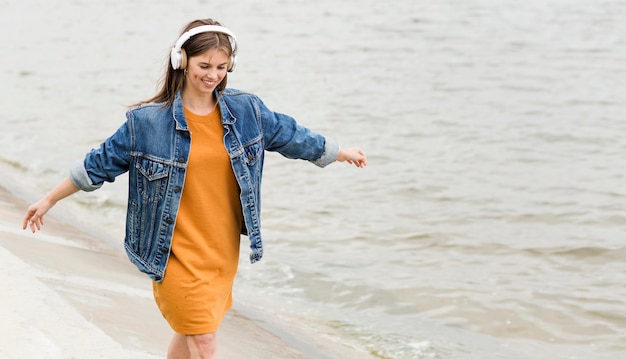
x=203 y=346
x=178 y=348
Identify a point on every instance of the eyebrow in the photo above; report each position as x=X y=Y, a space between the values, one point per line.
x=207 y=63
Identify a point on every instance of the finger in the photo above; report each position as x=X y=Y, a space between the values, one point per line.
x=34 y=223
x=27 y=218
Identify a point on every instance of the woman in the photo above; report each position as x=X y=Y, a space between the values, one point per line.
x=194 y=153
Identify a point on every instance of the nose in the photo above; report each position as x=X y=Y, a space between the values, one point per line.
x=212 y=74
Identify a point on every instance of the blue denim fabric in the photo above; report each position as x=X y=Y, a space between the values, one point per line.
x=153 y=146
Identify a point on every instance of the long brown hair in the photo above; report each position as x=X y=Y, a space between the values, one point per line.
x=174 y=80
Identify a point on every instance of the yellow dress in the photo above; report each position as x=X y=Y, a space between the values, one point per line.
x=196 y=291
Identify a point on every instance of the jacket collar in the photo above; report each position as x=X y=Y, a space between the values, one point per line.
x=227 y=117
x=178 y=111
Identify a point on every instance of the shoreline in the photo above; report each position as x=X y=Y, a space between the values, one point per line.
x=73 y=295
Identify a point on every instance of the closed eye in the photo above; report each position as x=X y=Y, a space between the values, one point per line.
x=204 y=66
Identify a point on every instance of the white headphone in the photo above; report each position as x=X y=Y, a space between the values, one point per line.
x=178 y=57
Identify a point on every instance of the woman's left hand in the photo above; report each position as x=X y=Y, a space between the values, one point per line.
x=354 y=156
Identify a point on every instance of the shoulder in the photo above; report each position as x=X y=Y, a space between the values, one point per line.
x=146 y=111
x=235 y=95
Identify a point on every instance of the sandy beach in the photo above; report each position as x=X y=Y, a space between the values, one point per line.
x=69 y=295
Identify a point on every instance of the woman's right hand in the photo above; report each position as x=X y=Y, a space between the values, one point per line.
x=35 y=213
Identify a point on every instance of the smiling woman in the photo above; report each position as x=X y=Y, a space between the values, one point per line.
x=188 y=204
x=202 y=75
x=199 y=39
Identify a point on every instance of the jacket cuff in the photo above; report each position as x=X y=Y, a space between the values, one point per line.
x=80 y=178
x=331 y=150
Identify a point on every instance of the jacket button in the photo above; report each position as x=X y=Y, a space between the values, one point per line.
x=181 y=160
x=157 y=277
x=164 y=250
x=169 y=221
x=177 y=189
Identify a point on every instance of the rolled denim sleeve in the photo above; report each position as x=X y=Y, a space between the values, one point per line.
x=80 y=178
x=104 y=163
x=331 y=150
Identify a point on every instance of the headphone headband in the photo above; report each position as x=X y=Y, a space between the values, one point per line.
x=177 y=56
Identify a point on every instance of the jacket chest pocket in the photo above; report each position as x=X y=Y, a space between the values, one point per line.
x=252 y=152
x=152 y=179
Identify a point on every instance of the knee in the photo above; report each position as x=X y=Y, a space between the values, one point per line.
x=178 y=348
x=203 y=346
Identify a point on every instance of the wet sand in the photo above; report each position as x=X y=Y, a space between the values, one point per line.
x=67 y=294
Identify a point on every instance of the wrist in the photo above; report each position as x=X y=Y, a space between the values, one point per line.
x=50 y=200
x=341 y=155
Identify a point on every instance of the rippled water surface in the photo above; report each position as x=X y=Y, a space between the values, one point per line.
x=490 y=222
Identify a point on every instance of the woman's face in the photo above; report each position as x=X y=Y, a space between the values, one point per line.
x=206 y=71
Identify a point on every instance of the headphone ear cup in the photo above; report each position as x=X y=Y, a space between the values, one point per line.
x=175 y=58
x=183 y=59
x=233 y=62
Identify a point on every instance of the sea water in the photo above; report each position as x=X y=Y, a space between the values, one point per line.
x=490 y=220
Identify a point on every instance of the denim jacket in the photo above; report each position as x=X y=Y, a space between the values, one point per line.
x=153 y=146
